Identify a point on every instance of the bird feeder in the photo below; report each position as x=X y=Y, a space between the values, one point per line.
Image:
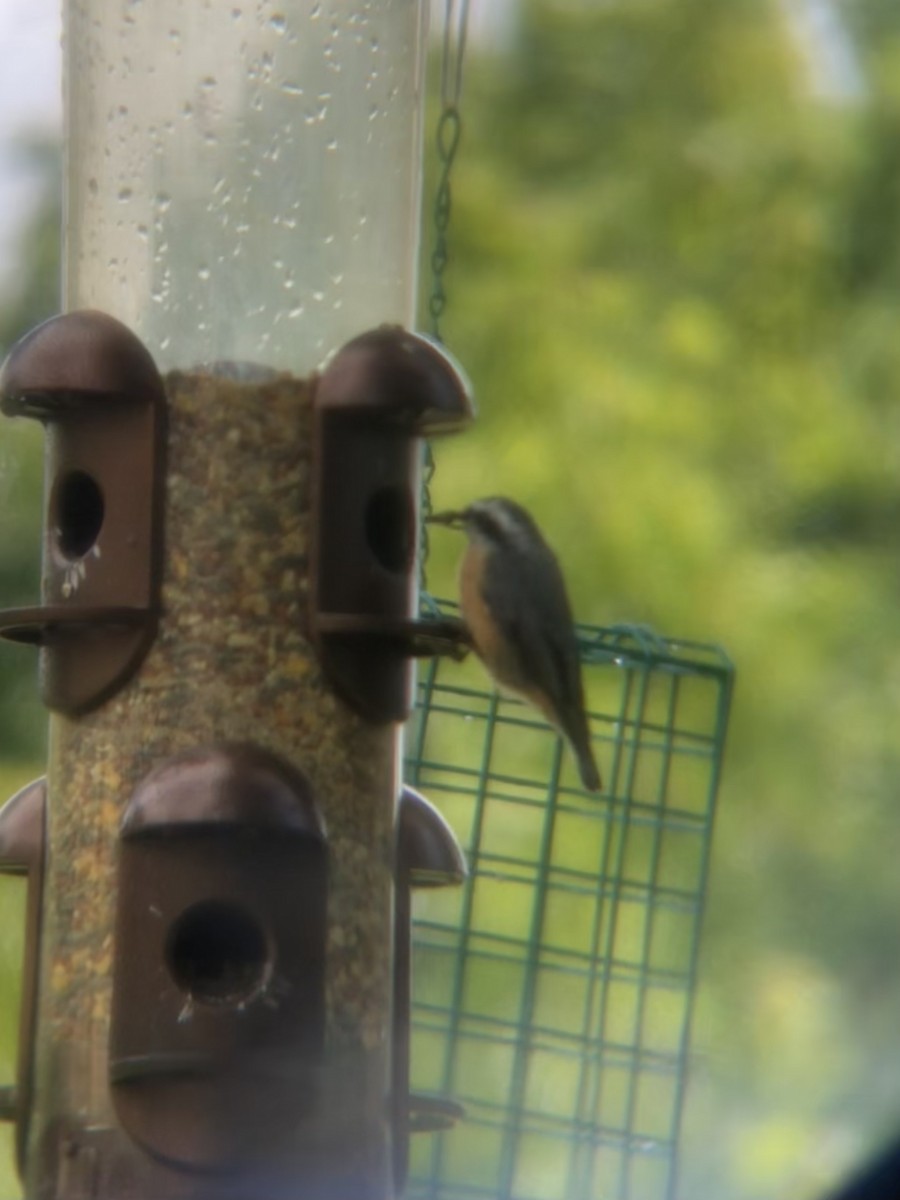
x=247 y=972
x=234 y=405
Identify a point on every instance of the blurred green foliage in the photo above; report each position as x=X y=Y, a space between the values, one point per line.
x=31 y=298
x=12 y=944
x=673 y=279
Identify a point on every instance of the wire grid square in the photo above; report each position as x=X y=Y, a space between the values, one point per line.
x=552 y=991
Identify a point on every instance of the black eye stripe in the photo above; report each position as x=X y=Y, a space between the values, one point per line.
x=491 y=525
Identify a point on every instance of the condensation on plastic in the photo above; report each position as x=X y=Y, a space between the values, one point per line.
x=242 y=179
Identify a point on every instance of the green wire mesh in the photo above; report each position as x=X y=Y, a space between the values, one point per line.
x=552 y=991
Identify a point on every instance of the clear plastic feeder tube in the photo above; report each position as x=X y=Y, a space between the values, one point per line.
x=243 y=177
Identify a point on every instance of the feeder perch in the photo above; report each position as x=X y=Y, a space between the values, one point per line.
x=428 y=856
x=381 y=394
x=222 y=883
x=95 y=389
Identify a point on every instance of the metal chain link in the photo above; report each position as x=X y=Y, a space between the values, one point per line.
x=448 y=134
x=449 y=131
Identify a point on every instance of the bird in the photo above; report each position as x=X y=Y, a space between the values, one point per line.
x=516 y=609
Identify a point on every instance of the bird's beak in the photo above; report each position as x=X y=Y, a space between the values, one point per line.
x=455 y=520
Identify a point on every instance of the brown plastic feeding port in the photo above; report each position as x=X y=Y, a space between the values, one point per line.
x=96 y=390
x=217 y=1031
x=378 y=398
x=428 y=855
x=22 y=847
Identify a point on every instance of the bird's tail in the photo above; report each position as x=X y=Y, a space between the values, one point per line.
x=587 y=767
x=578 y=732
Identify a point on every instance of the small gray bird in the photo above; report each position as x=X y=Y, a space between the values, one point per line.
x=514 y=603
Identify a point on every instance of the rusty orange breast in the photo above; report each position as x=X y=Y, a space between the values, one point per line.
x=491 y=646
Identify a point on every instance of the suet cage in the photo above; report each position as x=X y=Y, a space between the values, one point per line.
x=553 y=990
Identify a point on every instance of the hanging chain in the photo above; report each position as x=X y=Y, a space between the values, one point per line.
x=449 y=129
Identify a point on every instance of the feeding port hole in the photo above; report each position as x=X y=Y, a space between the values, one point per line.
x=218 y=953
x=78 y=510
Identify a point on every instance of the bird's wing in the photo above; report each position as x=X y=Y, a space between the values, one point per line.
x=538 y=621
